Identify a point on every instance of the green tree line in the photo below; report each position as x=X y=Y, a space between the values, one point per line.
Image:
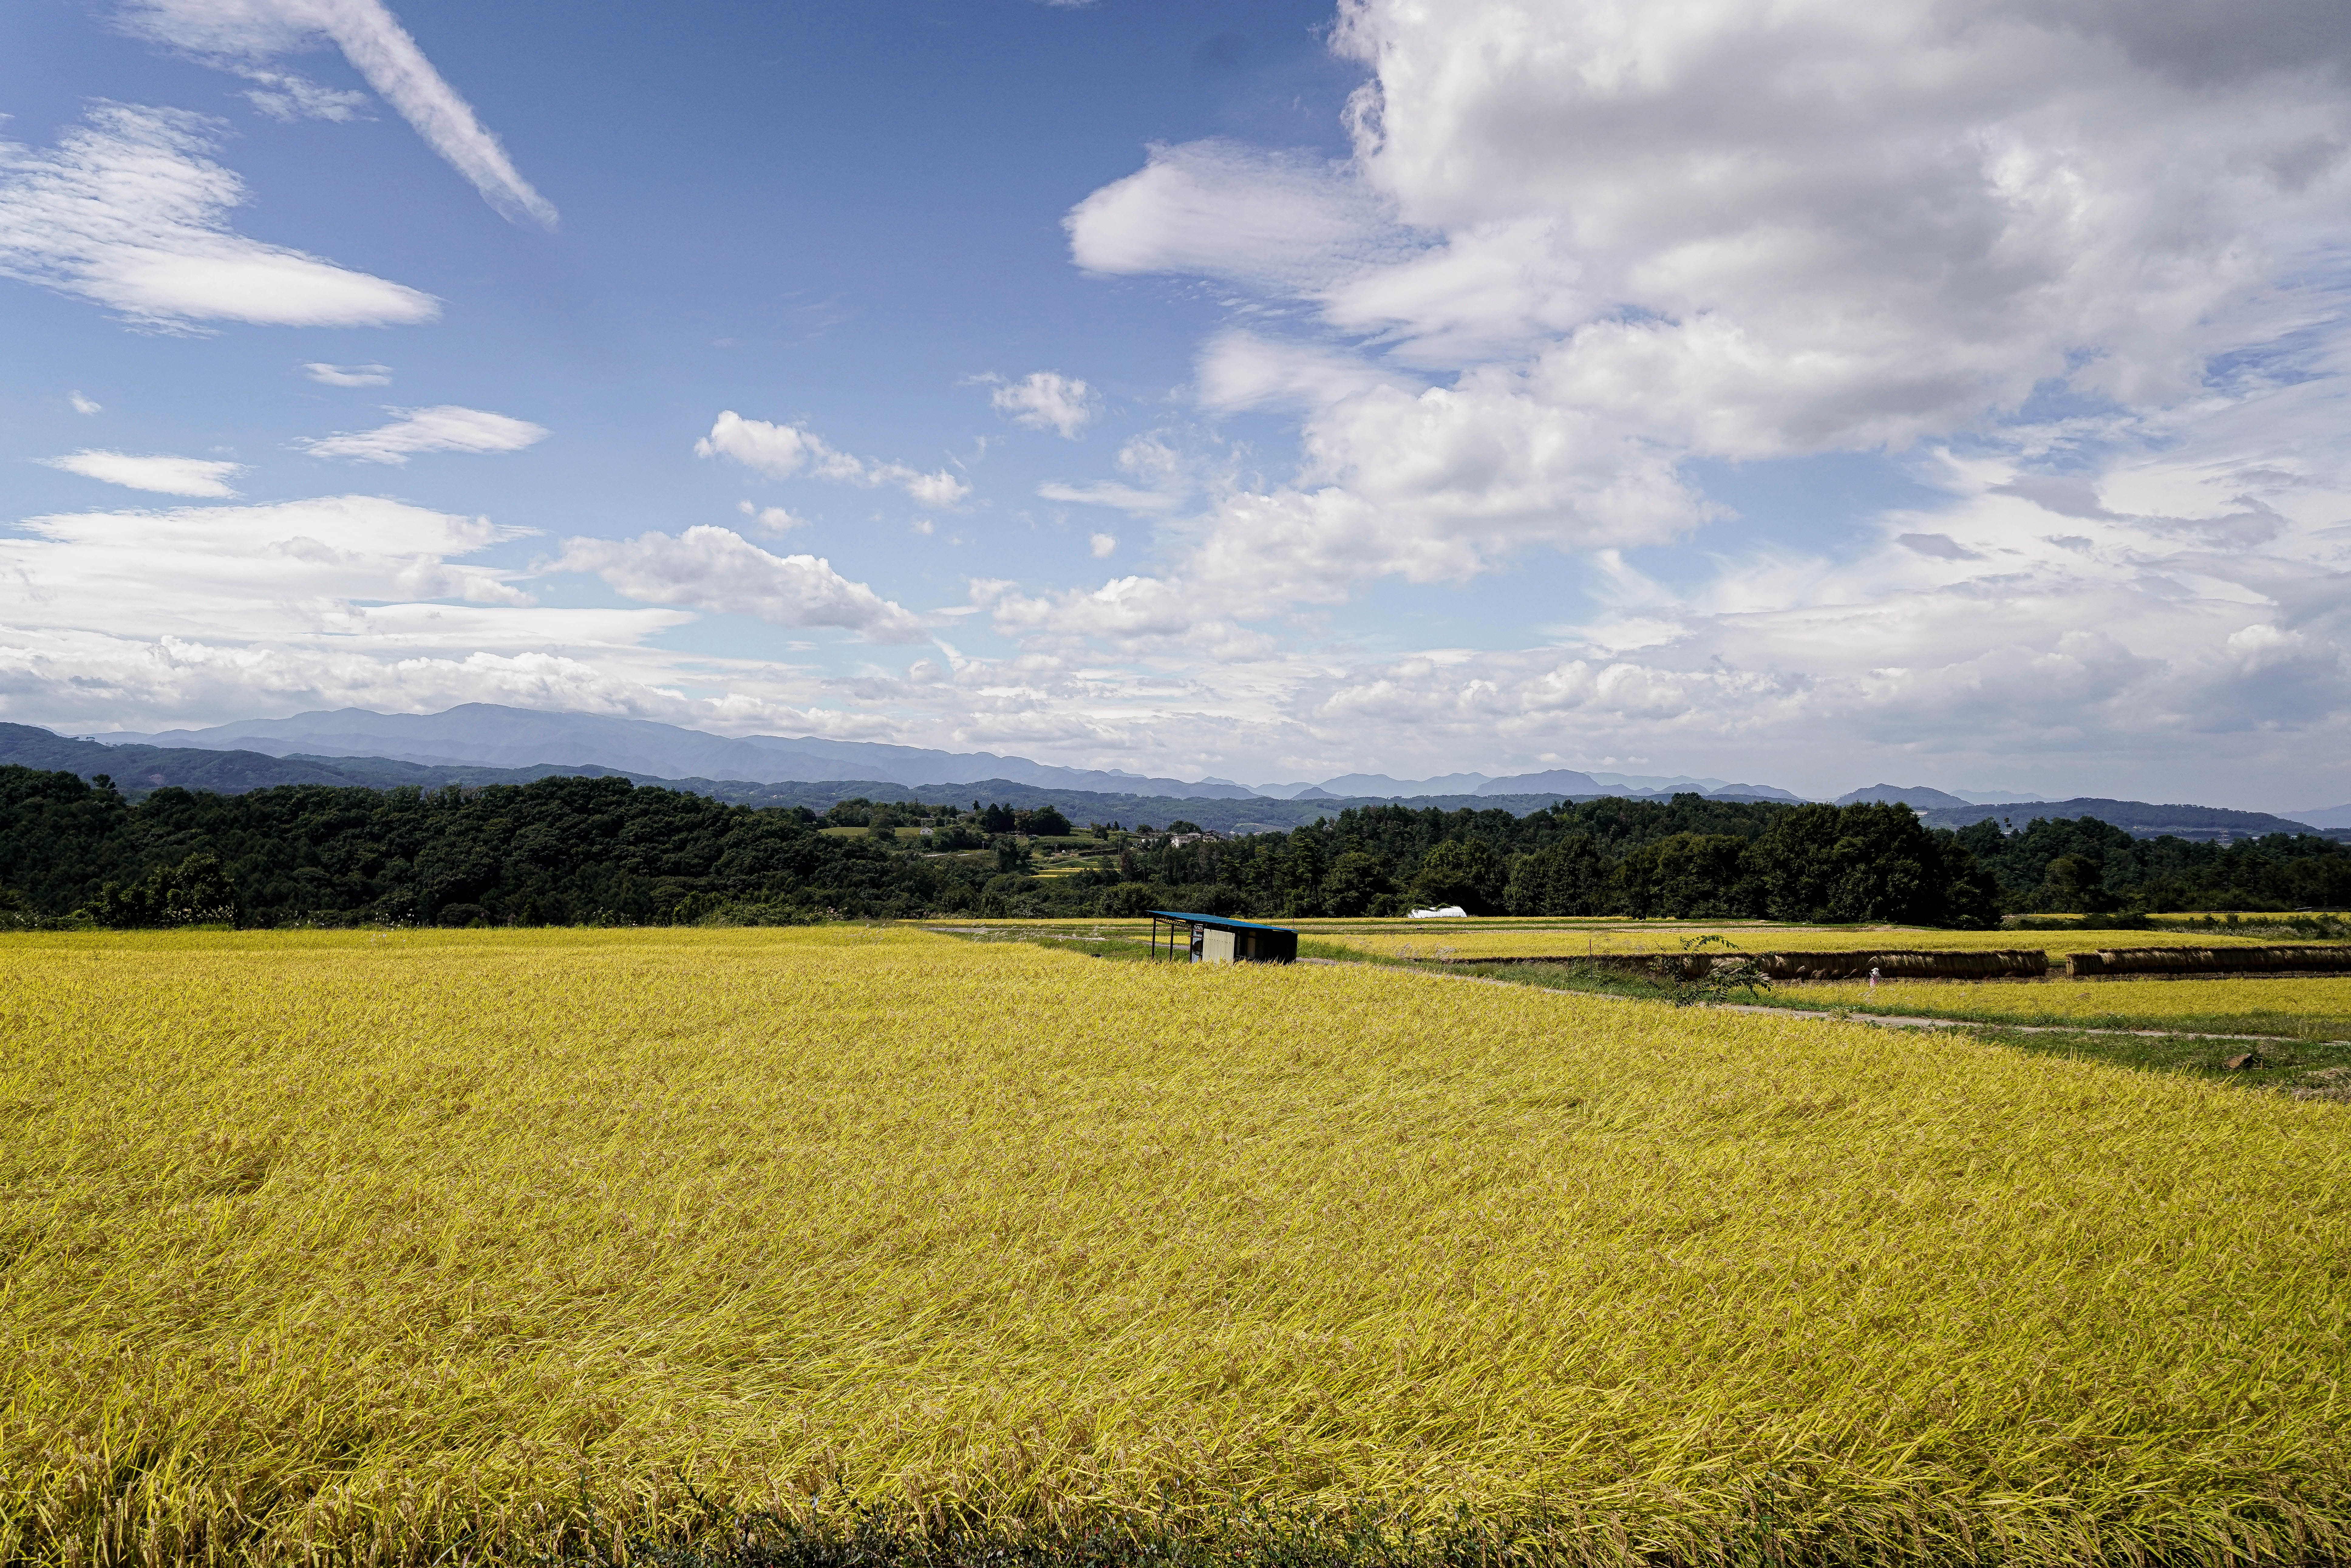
x=569 y=849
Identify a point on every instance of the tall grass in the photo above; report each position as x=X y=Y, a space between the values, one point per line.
x=375 y=1250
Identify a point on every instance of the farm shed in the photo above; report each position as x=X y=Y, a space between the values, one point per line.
x=1213 y=939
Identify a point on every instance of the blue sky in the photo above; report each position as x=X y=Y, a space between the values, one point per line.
x=1270 y=390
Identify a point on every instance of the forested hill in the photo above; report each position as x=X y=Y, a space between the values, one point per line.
x=569 y=849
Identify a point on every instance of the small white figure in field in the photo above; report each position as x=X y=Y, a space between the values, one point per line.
x=1873 y=977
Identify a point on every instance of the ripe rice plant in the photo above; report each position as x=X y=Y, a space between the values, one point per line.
x=1476 y=939
x=478 y=1245
x=2314 y=1007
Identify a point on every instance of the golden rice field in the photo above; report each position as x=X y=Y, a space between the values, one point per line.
x=2314 y=1007
x=387 y=1249
x=1477 y=939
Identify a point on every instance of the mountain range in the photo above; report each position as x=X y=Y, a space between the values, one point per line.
x=488 y=734
x=484 y=742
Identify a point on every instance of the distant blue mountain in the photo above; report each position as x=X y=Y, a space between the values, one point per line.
x=1915 y=795
x=490 y=734
x=487 y=735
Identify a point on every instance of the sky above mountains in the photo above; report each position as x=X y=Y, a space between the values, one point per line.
x=1809 y=392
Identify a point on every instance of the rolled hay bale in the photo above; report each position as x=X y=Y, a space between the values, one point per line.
x=2300 y=958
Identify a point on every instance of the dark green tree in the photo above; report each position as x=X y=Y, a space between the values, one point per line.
x=1354 y=883
x=1564 y=877
x=196 y=892
x=1870 y=860
x=1466 y=872
x=1707 y=877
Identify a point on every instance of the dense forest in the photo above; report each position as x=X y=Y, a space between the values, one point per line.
x=571 y=850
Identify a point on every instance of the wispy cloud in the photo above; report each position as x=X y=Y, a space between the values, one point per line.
x=787 y=451
x=164 y=476
x=83 y=404
x=329 y=568
x=718 y=569
x=282 y=95
x=1109 y=492
x=246 y=32
x=443 y=429
x=127 y=210
x=349 y=375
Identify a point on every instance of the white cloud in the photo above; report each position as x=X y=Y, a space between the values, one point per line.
x=774 y=519
x=349 y=375
x=1713 y=230
x=938 y=488
x=718 y=569
x=1164 y=476
x=1243 y=370
x=129 y=212
x=243 y=32
x=1285 y=222
x=84 y=405
x=443 y=429
x=144 y=619
x=1109 y=492
x=787 y=451
x=1102 y=546
x=164 y=476
x=1047 y=399
x=1577 y=248
x=338 y=567
x=282 y=95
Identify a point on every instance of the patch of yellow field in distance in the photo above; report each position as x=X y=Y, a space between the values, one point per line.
x=1463 y=939
x=346 y=1248
x=2317 y=1005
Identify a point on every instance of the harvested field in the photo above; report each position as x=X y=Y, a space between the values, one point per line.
x=344 y=1248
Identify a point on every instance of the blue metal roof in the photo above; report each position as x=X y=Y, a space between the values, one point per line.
x=1218 y=920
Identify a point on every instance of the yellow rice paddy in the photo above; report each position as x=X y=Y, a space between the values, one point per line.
x=341 y=1247
x=2315 y=1008
x=1478 y=939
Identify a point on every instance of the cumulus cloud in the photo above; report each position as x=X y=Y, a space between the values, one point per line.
x=1102 y=546
x=349 y=375
x=243 y=33
x=1575 y=251
x=443 y=429
x=788 y=451
x=1615 y=243
x=127 y=211
x=164 y=476
x=1047 y=399
x=718 y=569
